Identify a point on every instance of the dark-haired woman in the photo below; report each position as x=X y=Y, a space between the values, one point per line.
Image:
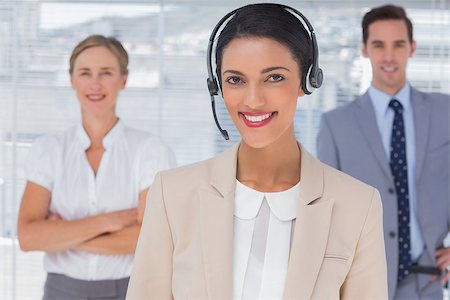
x=263 y=220
x=86 y=189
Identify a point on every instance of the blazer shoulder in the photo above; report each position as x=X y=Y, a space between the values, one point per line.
x=435 y=96
x=438 y=103
x=348 y=191
x=441 y=102
x=438 y=99
x=342 y=111
x=201 y=171
x=188 y=174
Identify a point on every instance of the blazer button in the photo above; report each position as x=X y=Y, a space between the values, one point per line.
x=391 y=190
x=392 y=234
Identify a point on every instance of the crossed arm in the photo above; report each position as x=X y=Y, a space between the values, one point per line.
x=107 y=233
x=443 y=263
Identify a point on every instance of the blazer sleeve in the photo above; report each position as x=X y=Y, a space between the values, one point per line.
x=367 y=278
x=151 y=277
x=327 y=150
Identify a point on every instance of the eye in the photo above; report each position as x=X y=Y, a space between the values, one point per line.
x=275 y=78
x=107 y=73
x=84 y=74
x=377 y=44
x=234 y=80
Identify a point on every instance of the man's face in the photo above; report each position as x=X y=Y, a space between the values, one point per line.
x=388 y=48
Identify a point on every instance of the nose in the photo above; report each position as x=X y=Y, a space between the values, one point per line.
x=255 y=97
x=388 y=54
x=94 y=83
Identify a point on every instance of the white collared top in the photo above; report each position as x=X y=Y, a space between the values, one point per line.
x=58 y=162
x=263 y=225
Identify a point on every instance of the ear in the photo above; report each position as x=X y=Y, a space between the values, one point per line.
x=364 y=50
x=413 y=48
x=124 y=81
x=301 y=92
x=71 y=81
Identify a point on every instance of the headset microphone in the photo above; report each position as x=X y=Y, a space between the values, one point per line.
x=214 y=91
x=211 y=81
x=311 y=80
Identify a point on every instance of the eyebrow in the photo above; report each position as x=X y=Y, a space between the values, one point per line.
x=103 y=69
x=266 y=70
x=381 y=42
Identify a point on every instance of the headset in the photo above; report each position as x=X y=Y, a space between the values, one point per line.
x=314 y=74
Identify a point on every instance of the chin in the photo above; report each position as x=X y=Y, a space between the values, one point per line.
x=257 y=143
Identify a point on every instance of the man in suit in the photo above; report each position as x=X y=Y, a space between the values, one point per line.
x=396 y=139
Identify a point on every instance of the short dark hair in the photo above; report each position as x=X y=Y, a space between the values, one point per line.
x=269 y=21
x=385 y=12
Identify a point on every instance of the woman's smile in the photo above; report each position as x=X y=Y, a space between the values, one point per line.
x=256 y=119
x=260 y=88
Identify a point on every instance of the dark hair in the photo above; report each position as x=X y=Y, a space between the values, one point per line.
x=101 y=41
x=269 y=21
x=385 y=12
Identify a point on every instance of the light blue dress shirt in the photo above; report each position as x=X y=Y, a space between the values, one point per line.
x=385 y=117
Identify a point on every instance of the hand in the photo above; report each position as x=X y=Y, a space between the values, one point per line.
x=443 y=262
x=117 y=220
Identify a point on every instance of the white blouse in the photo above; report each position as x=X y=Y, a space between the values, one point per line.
x=263 y=225
x=58 y=163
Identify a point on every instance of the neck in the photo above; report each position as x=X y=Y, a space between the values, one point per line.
x=390 y=90
x=270 y=169
x=98 y=127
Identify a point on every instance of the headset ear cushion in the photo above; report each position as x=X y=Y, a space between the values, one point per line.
x=306 y=82
x=317 y=79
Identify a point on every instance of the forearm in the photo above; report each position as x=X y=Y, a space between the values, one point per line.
x=120 y=242
x=59 y=235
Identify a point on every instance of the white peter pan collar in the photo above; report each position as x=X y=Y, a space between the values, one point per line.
x=283 y=205
x=108 y=140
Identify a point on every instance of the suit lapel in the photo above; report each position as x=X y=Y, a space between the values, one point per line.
x=311 y=231
x=421 y=113
x=368 y=124
x=216 y=224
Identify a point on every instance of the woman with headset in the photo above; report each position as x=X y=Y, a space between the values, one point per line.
x=264 y=219
x=86 y=186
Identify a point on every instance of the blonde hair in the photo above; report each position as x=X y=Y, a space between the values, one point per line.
x=101 y=41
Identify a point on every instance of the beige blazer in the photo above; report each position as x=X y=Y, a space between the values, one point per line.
x=185 y=245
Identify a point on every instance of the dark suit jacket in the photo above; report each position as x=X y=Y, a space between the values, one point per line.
x=349 y=140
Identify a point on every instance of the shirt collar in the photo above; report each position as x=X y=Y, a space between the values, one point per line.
x=283 y=205
x=108 y=140
x=380 y=100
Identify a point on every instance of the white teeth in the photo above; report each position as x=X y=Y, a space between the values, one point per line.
x=95 y=97
x=257 y=118
x=389 y=69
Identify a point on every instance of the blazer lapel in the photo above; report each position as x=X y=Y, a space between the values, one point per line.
x=311 y=231
x=421 y=111
x=216 y=225
x=368 y=125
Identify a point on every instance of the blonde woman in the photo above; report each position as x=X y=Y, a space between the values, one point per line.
x=84 y=198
